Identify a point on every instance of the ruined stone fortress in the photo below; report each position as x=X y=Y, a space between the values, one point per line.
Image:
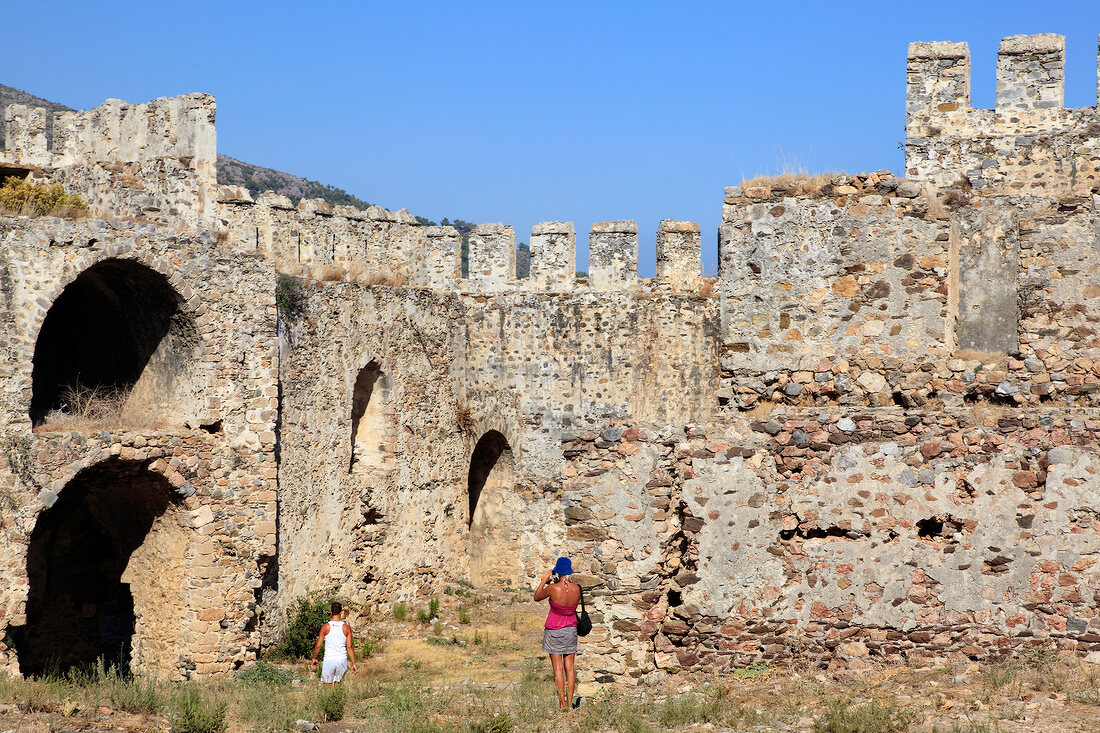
x=874 y=436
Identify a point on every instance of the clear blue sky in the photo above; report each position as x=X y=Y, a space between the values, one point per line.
x=534 y=111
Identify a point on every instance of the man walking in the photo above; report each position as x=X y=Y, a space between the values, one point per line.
x=336 y=636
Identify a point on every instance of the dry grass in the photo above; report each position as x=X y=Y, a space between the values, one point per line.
x=359 y=273
x=464 y=418
x=354 y=273
x=328 y=273
x=762 y=408
x=936 y=209
x=490 y=675
x=988 y=413
x=707 y=286
x=391 y=279
x=86 y=409
x=957 y=195
x=793 y=183
x=19 y=197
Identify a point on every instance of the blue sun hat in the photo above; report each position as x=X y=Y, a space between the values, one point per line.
x=563 y=567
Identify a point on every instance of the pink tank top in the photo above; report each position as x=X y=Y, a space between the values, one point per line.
x=561 y=617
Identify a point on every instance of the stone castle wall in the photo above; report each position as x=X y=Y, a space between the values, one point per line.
x=874 y=434
x=151 y=162
x=207 y=451
x=1029 y=143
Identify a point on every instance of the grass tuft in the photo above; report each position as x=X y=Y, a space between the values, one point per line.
x=873 y=717
x=195 y=712
x=331 y=702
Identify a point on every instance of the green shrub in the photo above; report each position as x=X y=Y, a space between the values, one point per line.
x=433 y=608
x=366 y=647
x=463 y=615
x=400 y=610
x=18 y=196
x=289 y=298
x=262 y=673
x=331 y=702
x=422 y=616
x=1039 y=657
x=304 y=621
x=192 y=712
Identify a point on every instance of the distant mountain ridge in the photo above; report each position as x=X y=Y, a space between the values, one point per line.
x=256 y=179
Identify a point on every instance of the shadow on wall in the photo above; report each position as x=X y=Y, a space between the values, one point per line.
x=85 y=565
x=116 y=349
x=370 y=406
x=495 y=511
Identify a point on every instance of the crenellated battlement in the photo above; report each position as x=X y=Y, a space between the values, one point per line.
x=553 y=255
x=157 y=161
x=154 y=161
x=492 y=257
x=612 y=254
x=114 y=132
x=1029 y=142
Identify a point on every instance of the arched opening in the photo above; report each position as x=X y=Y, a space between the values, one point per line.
x=115 y=348
x=105 y=568
x=370 y=404
x=494 y=537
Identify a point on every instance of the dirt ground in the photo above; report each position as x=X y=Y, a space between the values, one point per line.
x=480 y=669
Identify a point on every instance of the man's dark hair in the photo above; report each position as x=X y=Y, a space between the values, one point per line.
x=336 y=607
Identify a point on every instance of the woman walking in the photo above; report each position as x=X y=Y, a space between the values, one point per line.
x=559 y=637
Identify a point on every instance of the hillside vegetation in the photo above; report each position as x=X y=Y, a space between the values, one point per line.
x=258 y=179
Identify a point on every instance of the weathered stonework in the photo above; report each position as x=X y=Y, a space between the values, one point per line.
x=1028 y=144
x=205 y=444
x=874 y=434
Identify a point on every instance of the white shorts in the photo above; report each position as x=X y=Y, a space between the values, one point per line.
x=332 y=670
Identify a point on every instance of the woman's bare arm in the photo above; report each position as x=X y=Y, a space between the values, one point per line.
x=542 y=590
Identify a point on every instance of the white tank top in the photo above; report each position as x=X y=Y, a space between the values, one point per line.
x=336 y=645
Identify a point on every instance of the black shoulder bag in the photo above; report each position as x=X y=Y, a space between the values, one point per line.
x=584 y=624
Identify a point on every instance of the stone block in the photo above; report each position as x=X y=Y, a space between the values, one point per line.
x=553 y=256
x=989 y=260
x=613 y=255
x=1031 y=73
x=492 y=257
x=25 y=132
x=679 y=257
x=441 y=266
x=937 y=78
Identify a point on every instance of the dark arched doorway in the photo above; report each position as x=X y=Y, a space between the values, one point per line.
x=115 y=341
x=494 y=537
x=486 y=463
x=110 y=545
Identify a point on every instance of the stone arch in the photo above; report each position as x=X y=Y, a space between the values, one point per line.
x=105 y=565
x=494 y=547
x=371 y=412
x=88 y=258
x=119 y=332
